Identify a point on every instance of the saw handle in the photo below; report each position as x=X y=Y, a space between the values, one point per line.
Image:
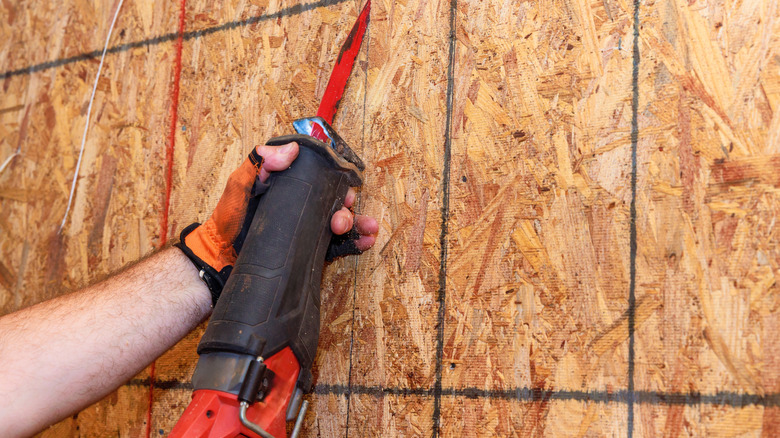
x=272 y=297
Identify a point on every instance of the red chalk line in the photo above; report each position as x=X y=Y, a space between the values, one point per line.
x=168 y=178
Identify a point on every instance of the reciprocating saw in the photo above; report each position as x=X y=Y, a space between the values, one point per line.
x=259 y=346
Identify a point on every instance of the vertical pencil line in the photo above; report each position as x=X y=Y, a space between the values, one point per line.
x=357 y=258
x=445 y=217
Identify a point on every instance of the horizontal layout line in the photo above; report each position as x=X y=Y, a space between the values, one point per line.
x=724 y=398
x=377 y=391
x=166 y=385
x=720 y=398
x=193 y=34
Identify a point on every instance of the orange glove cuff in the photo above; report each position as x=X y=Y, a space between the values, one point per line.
x=213 y=241
x=210 y=245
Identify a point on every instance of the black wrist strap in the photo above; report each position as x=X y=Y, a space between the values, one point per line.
x=215 y=280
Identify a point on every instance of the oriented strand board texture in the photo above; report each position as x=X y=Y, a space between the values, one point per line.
x=115 y=216
x=498 y=138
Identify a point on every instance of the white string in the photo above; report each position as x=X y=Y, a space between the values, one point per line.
x=18 y=151
x=89 y=111
x=8 y=160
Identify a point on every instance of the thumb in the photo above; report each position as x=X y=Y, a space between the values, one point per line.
x=276 y=158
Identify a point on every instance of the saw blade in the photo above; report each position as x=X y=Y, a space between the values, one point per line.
x=343 y=68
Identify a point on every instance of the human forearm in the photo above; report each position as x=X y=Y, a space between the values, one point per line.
x=62 y=355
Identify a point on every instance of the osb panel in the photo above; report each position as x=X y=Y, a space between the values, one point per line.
x=486 y=417
x=395 y=335
x=43 y=116
x=535 y=277
x=708 y=198
x=279 y=66
x=119 y=414
x=116 y=211
x=283 y=65
x=699 y=420
x=538 y=247
x=390 y=416
x=328 y=417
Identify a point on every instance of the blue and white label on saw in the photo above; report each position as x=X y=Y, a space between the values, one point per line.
x=304 y=126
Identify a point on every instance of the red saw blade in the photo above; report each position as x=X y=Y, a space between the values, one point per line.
x=341 y=72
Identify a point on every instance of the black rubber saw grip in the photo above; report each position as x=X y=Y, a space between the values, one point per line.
x=272 y=297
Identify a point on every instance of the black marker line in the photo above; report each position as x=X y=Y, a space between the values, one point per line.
x=194 y=34
x=632 y=237
x=720 y=398
x=376 y=391
x=445 y=218
x=162 y=384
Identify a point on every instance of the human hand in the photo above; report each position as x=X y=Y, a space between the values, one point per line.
x=343 y=221
x=215 y=243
